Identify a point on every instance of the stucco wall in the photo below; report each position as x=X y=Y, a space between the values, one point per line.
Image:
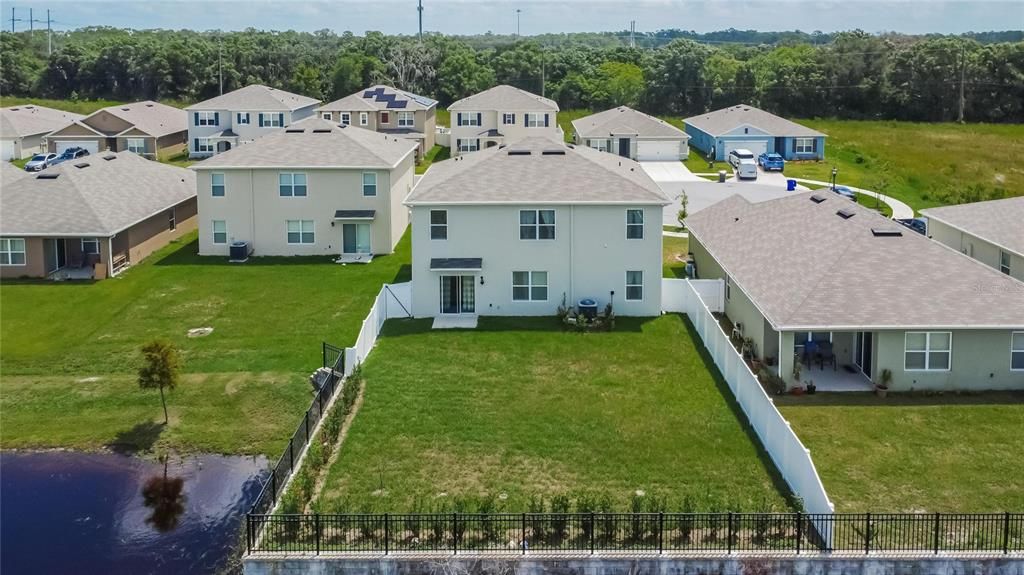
x=588 y=257
x=153 y=233
x=35 y=263
x=227 y=120
x=978 y=248
x=981 y=360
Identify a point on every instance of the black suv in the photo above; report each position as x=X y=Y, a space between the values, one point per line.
x=70 y=154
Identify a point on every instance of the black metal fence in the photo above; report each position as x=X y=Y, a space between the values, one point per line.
x=334 y=369
x=637 y=533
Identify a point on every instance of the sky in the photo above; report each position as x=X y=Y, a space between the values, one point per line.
x=536 y=17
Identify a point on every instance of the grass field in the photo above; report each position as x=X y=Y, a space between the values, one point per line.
x=945 y=453
x=670 y=248
x=522 y=408
x=269 y=318
x=435 y=154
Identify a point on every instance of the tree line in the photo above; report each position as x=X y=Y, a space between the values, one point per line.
x=852 y=75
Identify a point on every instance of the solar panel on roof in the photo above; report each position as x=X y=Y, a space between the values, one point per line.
x=385 y=97
x=397 y=104
x=423 y=100
x=369 y=94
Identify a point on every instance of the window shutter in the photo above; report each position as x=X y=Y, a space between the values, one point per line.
x=479 y=121
x=261 y=119
x=513 y=119
x=216 y=118
x=195 y=118
x=545 y=120
x=280 y=119
x=478 y=144
x=526 y=119
x=814 y=145
x=458 y=144
x=794 y=145
x=195 y=145
x=458 y=118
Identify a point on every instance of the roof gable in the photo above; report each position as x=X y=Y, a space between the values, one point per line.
x=256 y=98
x=504 y=98
x=721 y=122
x=1000 y=222
x=625 y=120
x=380 y=97
x=29 y=120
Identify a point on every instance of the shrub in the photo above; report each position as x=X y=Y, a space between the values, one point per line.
x=538 y=524
x=686 y=521
x=560 y=504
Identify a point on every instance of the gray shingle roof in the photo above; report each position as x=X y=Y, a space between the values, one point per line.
x=256 y=98
x=10 y=173
x=456 y=263
x=29 y=120
x=721 y=121
x=805 y=267
x=319 y=144
x=504 y=98
x=1000 y=222
x=625 y=120
x=380 y=97
x=151 y=117
x=101 y=199
x=572 y=175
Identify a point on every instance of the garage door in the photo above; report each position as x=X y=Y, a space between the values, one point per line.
x=7 y=150
x=658 y=150
x=92 y=145
x=757 y=146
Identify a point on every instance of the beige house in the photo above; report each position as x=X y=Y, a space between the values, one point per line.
x=501 y=115
x=145 y=128
x=816 y=280
x=23 y=129
x=387 y=110
x=241 y=116
x=631 y=134
x=92 y=218
x=990 y=232
x=521 y=229
x=314 y=188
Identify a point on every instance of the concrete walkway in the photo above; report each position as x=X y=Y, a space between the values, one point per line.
x=900 y=211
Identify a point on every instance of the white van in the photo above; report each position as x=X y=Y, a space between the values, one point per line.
x=746 y=170
x=741 y=155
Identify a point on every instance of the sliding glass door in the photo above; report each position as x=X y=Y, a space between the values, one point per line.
x=458 y=294
x=355 y=238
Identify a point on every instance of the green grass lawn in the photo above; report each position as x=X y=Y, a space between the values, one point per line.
x=923 y=165
x=947 y=453
x=435 y=154
x=443 y=117
x=875 y=204
x=522 y=408
x=670 y=248
x=269 y=318
x=179 y=159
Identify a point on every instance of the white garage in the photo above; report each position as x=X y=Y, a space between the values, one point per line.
x=757 y=146
x=659 y=150
x=91 y=145
x=7 y=150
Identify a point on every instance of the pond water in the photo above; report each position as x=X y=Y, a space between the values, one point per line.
x=66 y=512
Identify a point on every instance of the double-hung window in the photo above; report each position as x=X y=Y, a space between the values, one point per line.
x=468 y=145
x=300 y=232
x=1004 y=262
x=327 y=116
x=406 y=119
x=217 y=185
x=369 y=184
x=805 y=145
x=12 y=252
x=508 y=119
x=292 y=184
x=136 y=145
x=467 y=118
x=529 y=286
x=364 y=119
x=535 y=121
x=206 y=118
x=600 y=144
x=927 y=350
x=271 y=120
x=634 y=285
x=220 y=232
x=438 y=224
x=242 y=118
x=346 y=118
x=1017 y=351
x=90 y=245
x=203 y=145
x=634 y=224
x=537 y=224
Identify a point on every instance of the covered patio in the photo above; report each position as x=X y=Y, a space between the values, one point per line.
x=840 y=361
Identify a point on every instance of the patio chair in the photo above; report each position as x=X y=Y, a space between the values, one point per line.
x=810 y=352
x=826 y=355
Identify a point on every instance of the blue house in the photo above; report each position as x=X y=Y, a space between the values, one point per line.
x=747 y=127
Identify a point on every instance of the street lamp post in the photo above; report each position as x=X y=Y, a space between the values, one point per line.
x=834 y=172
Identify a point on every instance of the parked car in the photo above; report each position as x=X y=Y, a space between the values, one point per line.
x=737 y=156
x=846 y=193
x=771 y=162
x=919 y=225
x=746 y=170
x=70 y=154
x=39 y=162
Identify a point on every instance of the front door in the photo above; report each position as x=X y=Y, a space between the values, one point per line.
x=458 y=294
x=624 y=147
x=355 y=238
x=863 y=352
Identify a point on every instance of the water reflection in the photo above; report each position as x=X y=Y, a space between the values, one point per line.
x=166 y=497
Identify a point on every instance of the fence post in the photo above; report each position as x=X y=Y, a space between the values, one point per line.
x=320 y=398
x=1006 y=532
x=273 y=486
x=799 y=531
x=323 y=353
x=455 y=536
x=729 y=533
x=661 y=532
x=248 y=532
x=387 y=533
x=307 y=426
x=522 y=542
x=316 y=523
x=291 y=454
x=936 y=532
x=593 y=530
x=867 y=534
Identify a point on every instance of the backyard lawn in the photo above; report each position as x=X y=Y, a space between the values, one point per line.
x=670 y=248
x=943 y=453
x=519 y=408
x=435 y=154
x=70 y=350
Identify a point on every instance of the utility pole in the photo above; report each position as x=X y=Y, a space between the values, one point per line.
x=49 y=34
x=632 y=33
x=220 y=64
x=963 y=66
x=517 y=22
x=31 y=26
x=420 y=10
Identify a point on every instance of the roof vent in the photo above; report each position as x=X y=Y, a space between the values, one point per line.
x=125 y=109
x=518 y=152
x=343 y=126
x=322 y=131
x=108 y=158
x=15 y=109
x=818 y=198
x=885 y=233
x=82 y=165
x=553 y=152
x=295 y=130
x=501 y=146
x=846 y=213
x=149 y=105
x=49 y=176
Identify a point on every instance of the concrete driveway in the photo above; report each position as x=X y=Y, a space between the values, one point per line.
x=768 y=179
x=668 y=171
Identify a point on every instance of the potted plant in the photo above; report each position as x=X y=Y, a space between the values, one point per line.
x=811 y=388
x=747 y=348
x=797 y=390
x=882 y=387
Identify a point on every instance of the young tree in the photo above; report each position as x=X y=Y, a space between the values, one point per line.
x=681 y=216
x=160 y=367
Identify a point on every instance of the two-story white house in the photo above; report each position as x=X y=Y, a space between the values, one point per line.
x=314 y=188
x=387 y=110
x=501 y=115
x=221 y=123
x=519 y=230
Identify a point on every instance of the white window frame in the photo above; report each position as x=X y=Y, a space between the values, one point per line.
x=204 y=145
x=243 y=118
x=508 y=119
x=93 y=241
x=214 y=185
x=1013 y=351
x=928 y=351
x=468 y=144
x=467 y=118
x=634 y=225
x=1004 y=257
x=635 y=285
x=302 y=231
x=206 y=118
x=8 y=251
x=364 y=119
x=536 y=225
x=292 y=184
x=345 y=118
x=214 y=232
x=172 y=220
x=374 y=184
x=139 y=149
x=728 y=288
x=535 y=121
x=438 y=226
x=327 y=116
x=531 y=284
x=270 y=120
x=804 y=145
x=406 y=119
x=599 y=144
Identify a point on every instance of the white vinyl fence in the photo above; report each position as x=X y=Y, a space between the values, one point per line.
x=393 y=300
x=443 y=136
x=675 y=294
x=792 y=459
